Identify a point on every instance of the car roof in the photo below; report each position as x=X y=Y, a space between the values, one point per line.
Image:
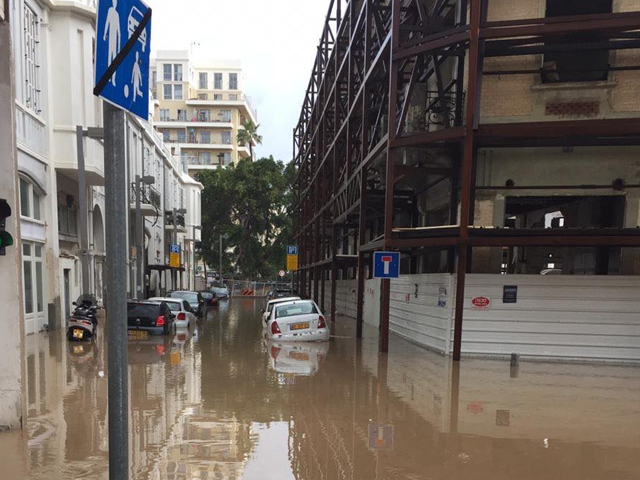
x=165 y=299
x=292 y=302
x=284 y=300
x=185 y=291
x=144 y=302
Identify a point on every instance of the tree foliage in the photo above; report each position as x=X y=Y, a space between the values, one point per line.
x=249 y=204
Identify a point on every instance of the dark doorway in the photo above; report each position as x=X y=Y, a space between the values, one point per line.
x=67 y=293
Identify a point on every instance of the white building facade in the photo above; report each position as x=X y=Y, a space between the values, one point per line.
x=53 y=55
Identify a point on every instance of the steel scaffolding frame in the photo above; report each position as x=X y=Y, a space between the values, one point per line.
x=372 y=56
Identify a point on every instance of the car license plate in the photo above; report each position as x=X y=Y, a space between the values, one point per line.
x=299 y=326
x=138 y=334
x=77 y=333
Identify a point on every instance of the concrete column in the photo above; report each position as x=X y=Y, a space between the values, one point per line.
x=12 y=387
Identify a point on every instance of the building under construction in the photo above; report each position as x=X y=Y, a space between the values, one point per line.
x=496 y=145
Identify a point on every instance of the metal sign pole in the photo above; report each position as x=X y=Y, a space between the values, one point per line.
x=139 y=239
x=116 y=203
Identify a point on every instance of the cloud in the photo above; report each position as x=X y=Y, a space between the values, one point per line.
x=276 y=41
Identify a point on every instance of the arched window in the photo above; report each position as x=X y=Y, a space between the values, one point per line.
x=30 y=200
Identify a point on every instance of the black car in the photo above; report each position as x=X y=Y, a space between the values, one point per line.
x=210 y=298
x=154 y=318
x=195 y=299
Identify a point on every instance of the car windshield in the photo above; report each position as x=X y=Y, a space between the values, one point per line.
x=273 y=303
x=143 y=310
x=174 y=306
x=207 y=295
x=301 y=308
x=188 y=296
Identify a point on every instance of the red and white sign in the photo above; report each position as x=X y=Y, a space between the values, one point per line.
x=481 y=303
x=282 y=273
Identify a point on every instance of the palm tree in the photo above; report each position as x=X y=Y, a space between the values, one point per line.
x=249 y=134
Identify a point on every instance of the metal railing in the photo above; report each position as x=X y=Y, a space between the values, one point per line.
x=149 y=195
x=180 y=219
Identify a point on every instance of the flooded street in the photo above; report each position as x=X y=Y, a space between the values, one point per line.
x=220 y=403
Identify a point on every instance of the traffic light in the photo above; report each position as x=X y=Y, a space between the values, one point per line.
x=6 y=240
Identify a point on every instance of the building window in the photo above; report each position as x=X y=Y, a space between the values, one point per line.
x=204 y=115
x=166 y=72
x=227 y=159
x=233 y=97
x=226 y=137
x=166 y=136
x=165 y=115
x=177 y=72
x=217 y=81
x=204 y=81
x=30 y=200
x=33 y=284
x=205 y=158
x=576 y=65
x=182 y=137
x=203 y=96
x=192 y=136
x=154 y=79
x=177 y=92
x=182 y=115
x=205 y=137
x=168 y=92
x=67 y=220
x=217 y=96
x=233 y=81
x=31 y=60
x=226 y=115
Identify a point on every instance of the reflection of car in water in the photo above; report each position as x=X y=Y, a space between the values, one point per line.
x=297 y=358
x=135 y=17
x=154 y=349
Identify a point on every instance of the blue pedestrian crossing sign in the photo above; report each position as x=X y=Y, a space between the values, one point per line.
x=386 y=264
x=123 y=47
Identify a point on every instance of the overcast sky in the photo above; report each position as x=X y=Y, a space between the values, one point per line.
x=275 y=40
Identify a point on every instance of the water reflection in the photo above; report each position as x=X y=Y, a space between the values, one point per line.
x=217 y=402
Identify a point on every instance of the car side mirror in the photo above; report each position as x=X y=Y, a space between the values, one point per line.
x=74 y=304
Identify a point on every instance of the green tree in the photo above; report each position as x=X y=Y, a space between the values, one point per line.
x=249 y=134
x=250 y=205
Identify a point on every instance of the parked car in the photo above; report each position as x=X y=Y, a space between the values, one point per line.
x=210 y=299
x=221 y=292
x=299 y=321
x=196 y=301
x=185 y=316
x=149 y=318
x=266 y=312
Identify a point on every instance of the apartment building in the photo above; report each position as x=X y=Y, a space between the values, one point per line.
x=199 y=107
x=53 y=45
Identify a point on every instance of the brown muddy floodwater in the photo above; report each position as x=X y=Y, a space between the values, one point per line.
x=219 y=403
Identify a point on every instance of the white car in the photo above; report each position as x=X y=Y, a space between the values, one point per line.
x=266 y=313
x=185 y=316
x=297 y=321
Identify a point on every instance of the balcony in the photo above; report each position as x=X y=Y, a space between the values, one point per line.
x=150 y=199
x=243 y=102
x=180 y=224
x=194 y=122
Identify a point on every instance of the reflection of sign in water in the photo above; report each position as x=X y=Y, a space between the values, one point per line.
x=380 y=437
x=122 y=64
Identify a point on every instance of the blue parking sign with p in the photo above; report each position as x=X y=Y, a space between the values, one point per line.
x=292 y=250
x=117 y=23
x=386 y=264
